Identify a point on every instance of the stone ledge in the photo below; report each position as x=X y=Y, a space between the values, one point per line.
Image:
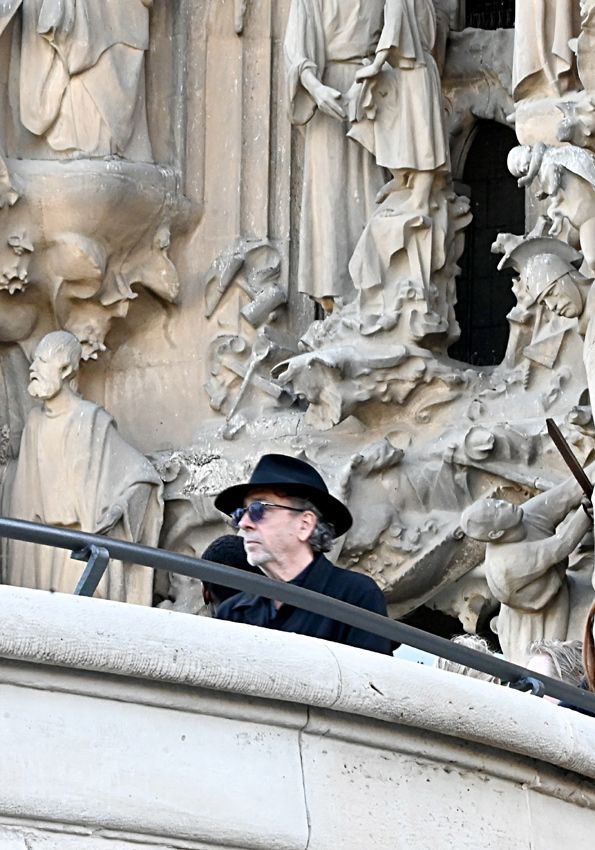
x=164 y=646
x=129 y=727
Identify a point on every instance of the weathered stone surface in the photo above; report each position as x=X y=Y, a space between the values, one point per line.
x=172 y=730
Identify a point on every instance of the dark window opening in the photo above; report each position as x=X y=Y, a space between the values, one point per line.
x=489 y=14
x=484 y=294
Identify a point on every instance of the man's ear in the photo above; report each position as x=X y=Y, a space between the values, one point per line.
x=307 y=525
x=495 y=535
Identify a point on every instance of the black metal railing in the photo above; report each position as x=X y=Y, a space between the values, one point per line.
x=96 y=550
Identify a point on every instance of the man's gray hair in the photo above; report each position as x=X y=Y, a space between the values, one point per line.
x=566 y=657
x=62 y=343
x=323 y=536
x=475 y=642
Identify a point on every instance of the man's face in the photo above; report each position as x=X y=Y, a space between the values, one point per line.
x=493 y=517
x=564 y=298
x=277 y=537
x=46 y=373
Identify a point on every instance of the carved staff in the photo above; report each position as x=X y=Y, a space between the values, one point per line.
x=569 y=458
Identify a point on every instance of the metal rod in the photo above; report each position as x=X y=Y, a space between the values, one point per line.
x=298 y=597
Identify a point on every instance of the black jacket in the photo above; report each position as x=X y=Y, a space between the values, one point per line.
x=323 y=577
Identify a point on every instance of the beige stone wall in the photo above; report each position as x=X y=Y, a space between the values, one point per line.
x=219 y=114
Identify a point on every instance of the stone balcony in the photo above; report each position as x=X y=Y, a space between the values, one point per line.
x=127 y=728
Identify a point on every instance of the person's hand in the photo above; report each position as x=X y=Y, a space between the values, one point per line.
x=328 y=100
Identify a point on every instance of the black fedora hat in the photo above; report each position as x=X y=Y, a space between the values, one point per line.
x=294 y=477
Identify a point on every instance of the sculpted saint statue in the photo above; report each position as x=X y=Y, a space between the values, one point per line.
x=75 y=471
x=526 y=565
x=401 y=117
x=81 y=75
x=543 y=60
x=326 y=43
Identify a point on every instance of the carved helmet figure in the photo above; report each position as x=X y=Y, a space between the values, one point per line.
x=542 y=262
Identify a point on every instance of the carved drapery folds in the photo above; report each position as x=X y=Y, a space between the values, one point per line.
x=74 y=470
x=83 y=233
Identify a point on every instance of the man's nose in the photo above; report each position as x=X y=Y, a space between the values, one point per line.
x=245 y=521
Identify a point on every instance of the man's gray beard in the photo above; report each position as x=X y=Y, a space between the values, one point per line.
x=35 y=389
x=39 y=389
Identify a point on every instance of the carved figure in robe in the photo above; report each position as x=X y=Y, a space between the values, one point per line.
x=553 y=280
x=543 y=60
x=74 y=470
x=526 y=563
x=399 y=116
x=81 y=74
x=326 y=42
x=565 y=175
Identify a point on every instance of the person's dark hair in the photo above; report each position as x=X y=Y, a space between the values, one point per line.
x=323 y=536
x=589 y=649
x=228 y=550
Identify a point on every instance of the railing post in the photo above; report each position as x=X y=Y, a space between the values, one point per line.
x=97 y=558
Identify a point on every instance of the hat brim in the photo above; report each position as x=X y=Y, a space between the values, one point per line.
x=332 y=509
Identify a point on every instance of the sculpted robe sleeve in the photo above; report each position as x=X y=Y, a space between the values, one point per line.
x=401 y=36
x=304 y=48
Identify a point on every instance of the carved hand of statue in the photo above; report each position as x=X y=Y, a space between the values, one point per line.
x=374 y=68
x=328 y=100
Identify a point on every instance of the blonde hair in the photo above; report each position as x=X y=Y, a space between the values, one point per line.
x=471 y=642
x=566 y=657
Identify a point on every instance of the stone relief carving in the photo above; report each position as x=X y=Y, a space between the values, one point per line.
x=78 y=70
x=84 y=270
x=543 y=58
x=407 y=436
x=75 y=471
x=566 y=177
x=325 y=45
x=526 y=566
x=240 y=362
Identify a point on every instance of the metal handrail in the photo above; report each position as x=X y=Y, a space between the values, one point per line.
x=86 y=546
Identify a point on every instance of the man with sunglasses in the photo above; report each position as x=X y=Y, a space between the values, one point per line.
x=288 y=520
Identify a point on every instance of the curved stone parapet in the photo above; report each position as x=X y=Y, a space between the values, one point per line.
x=153 y=728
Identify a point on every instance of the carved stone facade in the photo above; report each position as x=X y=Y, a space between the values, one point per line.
x=253 y=216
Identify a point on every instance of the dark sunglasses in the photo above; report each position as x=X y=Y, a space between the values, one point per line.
x=257 y=510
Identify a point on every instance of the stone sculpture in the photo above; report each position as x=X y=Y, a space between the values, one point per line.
x=81 y=74
x=565 y=175
x=543 y=58
x=326 y=43
x=75 y=471
x=398 y=112
x=526 y=565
